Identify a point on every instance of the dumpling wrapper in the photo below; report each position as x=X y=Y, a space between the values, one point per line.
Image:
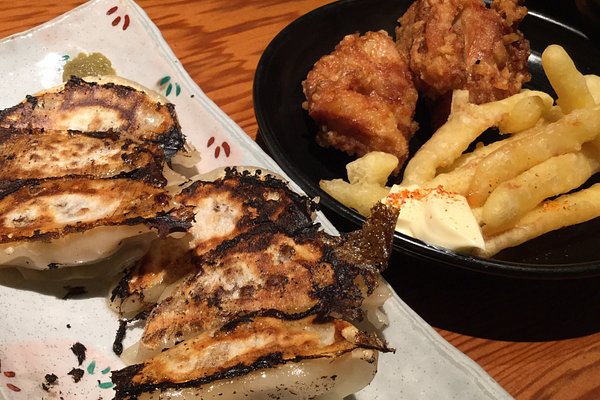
x=257 y=358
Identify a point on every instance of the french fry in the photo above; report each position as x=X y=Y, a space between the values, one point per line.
x=463 y=160
x=515 y=197
x=593 y=84
x=460 y=100
x=553 y=114
x=458 y=176
x=457 y=181
x=482 y=150
x=373 y=167
x=524 y=115
x=453 y=138
x=563 y=136
x=568 y=209
x=360 y=196
x=568 y=83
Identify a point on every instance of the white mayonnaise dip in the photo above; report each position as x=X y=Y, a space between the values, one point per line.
x=436 y=217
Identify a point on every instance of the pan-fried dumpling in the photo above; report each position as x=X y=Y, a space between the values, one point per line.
x=86 y=174
x=53 y=223
x=224 y=208
x=268 y=268
x=101 y=104
x=260 y=357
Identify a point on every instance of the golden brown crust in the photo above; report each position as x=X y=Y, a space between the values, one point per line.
x=224 y=209
x=262 y=270
x=42 y=154
x=462 y=44
x=53 y=208
x=267 y=268
x=99 y=107
x=251 y=344
x=363 y=97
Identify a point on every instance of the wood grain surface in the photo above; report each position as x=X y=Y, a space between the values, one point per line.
x=538 y=339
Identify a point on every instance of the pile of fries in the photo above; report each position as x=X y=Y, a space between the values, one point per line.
x=526 y=184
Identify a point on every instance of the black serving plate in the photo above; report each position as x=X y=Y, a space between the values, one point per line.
x=288 y=133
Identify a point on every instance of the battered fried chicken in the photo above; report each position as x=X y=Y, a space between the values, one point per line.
x=463 y=44
x=363 y=96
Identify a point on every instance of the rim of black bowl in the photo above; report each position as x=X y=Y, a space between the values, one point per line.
x=402 y=243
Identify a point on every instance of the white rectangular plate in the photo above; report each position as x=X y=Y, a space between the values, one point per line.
x=39 y=327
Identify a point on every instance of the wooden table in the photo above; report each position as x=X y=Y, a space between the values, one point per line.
x=538 y=339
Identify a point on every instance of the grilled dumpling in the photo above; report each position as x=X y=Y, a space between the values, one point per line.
x=27 y=154
x=106 y=104
x=34 y=213
x=85 y=172
x=223 y=208
x=268 y=268
x=257 y=358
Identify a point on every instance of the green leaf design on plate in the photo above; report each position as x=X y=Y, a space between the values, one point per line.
x=167 y=85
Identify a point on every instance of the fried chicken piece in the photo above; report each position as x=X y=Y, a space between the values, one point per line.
x=363 y=97
x=462 y=44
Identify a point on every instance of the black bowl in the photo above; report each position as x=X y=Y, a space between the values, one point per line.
x=288 y=133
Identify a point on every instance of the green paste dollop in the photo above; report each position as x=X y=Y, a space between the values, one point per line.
x=84 y=64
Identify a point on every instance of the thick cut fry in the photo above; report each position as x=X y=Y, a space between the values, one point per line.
x=464 y=159
x=593 y=84
x=457 y=181
x=568 y=83
x=482 y=150
x=524 y=115
x=515 y=197
x=373 y=167
x=360 y=196
x=460 y=99
x=453 y=138
x=568 y=209
x=457 y=178
x=564 y=136
x=553 y=114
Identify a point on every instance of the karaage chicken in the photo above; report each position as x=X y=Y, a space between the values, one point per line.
x=363 y=97
x=464 y=44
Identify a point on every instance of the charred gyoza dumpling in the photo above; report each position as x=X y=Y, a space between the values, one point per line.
x=224 y=209
x=40 y=221
x=258 y=358
x=86 y=168
x=101 y=104
x=308 y=272
x=35 y=154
